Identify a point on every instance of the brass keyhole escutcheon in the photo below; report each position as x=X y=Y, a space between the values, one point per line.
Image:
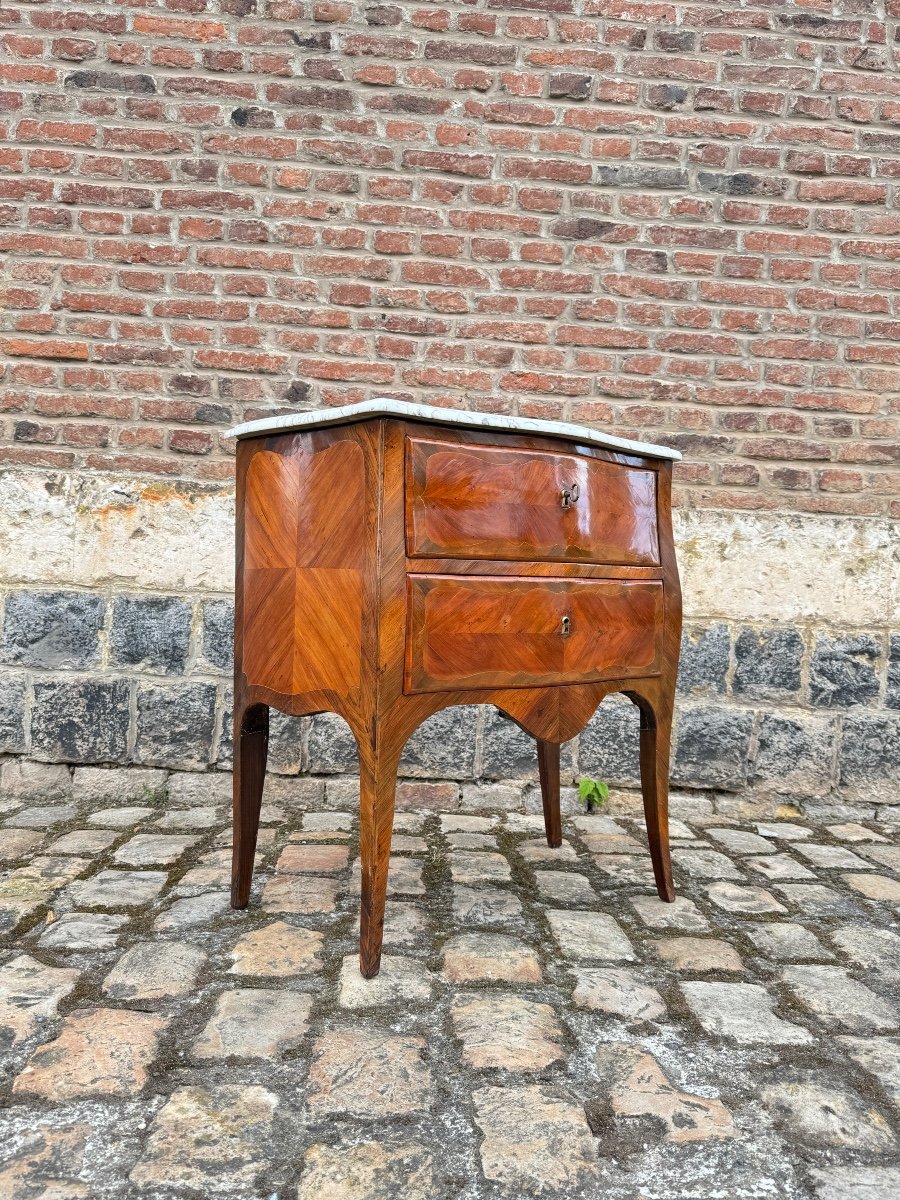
x=569 y=495
x=565 y=626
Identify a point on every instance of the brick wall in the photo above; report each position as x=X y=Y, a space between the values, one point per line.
x=678 y=219
x=672 y=220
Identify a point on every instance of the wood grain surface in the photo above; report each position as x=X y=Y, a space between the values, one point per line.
x=480 y=632
x=525 y=505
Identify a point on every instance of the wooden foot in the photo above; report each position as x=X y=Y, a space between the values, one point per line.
x=548 y=768
x=656 y=735
x=251 y=742
x=377 y=785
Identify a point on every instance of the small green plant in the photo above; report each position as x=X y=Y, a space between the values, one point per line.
x=156 y=796
x=594 y=792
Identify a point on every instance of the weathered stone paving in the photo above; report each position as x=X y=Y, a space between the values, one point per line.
x=542 y=1025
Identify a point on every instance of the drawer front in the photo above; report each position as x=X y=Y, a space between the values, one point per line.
x=475 y=632
x=493 y=503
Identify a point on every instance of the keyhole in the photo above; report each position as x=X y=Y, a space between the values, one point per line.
x=569 y=495
x=565 y=626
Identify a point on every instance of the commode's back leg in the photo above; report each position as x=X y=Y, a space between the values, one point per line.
x=548 y=768
x=251 y=742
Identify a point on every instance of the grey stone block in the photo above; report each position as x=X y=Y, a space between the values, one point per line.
x=331 y=746
x=13 y=699
x=150 y=632
x=712 y=748
x=703 y=666
x=892 y=696
x=80 y=721
x=509 y=752
x=175 y=725
x=225 y=749
x=218 y=634
x=52 y=629
x=285 y=743
x=443 y=747
x=609 y=746
x=98 y=787
x=22 y=779
x=844 y=670
x=767 y=663
x=870 y=750
x=795 y=754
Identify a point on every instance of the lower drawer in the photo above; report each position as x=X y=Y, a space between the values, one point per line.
x=477 y=632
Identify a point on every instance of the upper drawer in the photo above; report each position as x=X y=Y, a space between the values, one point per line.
x=527 y=505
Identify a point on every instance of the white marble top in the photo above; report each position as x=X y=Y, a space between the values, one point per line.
x=384 y=406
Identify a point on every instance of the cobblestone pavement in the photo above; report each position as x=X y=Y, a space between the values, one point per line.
x=542 y=1024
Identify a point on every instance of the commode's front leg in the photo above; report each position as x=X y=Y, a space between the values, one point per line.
x=377 y=786
x=656 y=736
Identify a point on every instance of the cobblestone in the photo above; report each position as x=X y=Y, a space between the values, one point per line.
x=83 y=841
x=254 y=1023
x=680 y=914
x=29 y=995
x=590 y=935
x=534 y=1138
x=506 y=1032
x=543 y=1025
x=400 y=980
x=699 y=955
x=833 y=995
x=880 y=1057
x=152 y=971
x=476 y=956
x=485 y=906
x=118 y=889
x=742 y=1012
x=875 y=887
x=277 y=950
x=100 y=1051
x=778 y=866
x=875 y=949
x=832 y=856
x=857 y=1183
x=817 y=1114
x=367 y=1171
x=369 y=1074
x=565 y=887
x=198 y=1130
x=736 y=899
x=300 y=894
x=638 y=1087
x=153 y=849
x=618 y=992
x=783 y=940
x=192 y=910
x=83 y=931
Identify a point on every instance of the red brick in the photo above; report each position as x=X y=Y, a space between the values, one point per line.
x=198 y=31
x=43 y=348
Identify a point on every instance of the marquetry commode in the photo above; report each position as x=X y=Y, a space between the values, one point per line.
x=393 y=559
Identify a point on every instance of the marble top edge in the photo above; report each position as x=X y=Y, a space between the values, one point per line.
x=384 y=406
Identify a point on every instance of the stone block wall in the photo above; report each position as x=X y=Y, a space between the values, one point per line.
x=674 y=220
x=782 y=713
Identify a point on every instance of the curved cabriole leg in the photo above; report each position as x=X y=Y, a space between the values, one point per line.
x=251 y=743
x=548 y=768
x=656 y=736
x=377 y=785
